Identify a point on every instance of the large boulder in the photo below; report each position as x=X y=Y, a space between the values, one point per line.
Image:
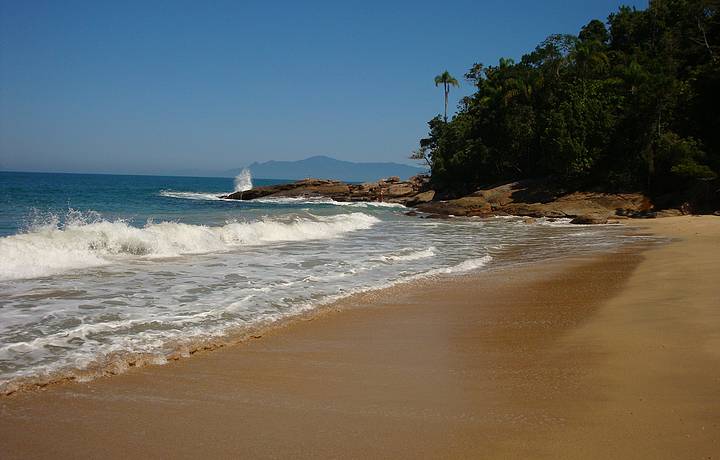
x=422 y=197
x=590 y=220
x=466 y=206
x=396 y=190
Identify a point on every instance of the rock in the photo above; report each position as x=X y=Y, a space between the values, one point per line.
x=459 y=207
x=589 y=220
x=537 y=198
x=423 y=197
x=411 y=213
x=367 y=186
x=669 y=213
x=391 y=189
x=479 y=213
x=396 y=190
x=531 y=198
x=644 y=215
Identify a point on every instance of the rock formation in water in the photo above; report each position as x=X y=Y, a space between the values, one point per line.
x=392 y=190
x=530 y=199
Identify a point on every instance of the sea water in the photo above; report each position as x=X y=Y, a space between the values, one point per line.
x=97 y=271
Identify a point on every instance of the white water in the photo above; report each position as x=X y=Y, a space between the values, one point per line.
x=328 y=201
x=243 y=181
x=191 y=195
x=409 y=254
x=282 y=201
x=118 y=291
x=52 y=249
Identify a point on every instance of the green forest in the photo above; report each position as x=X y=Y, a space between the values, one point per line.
x=628 y=104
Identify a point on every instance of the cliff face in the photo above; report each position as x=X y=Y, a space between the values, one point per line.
x=392 y=190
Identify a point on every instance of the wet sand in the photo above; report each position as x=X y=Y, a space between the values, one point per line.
x=613 y=355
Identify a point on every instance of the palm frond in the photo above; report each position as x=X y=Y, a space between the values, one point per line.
x=446 y=79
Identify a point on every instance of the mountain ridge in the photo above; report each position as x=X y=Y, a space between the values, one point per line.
x=325 y=167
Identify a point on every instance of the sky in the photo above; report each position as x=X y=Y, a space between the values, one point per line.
x=167 y=87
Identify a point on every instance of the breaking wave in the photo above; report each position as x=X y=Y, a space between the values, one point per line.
x=52 y=248
x=465 y=266
x=191 y=195
x=329 y=201
x=281 y=201
x=409 y=254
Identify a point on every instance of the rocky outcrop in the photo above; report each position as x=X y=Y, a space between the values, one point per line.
x=392 y=189
x=536 y=199
x=532 y=199
x=589 y=220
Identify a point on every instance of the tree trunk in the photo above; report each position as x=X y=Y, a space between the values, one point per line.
x=446 y=100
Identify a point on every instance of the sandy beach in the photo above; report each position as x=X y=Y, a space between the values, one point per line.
x=614 y=355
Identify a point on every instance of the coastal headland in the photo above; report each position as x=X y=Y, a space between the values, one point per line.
x=611 y=355
x=527 y=198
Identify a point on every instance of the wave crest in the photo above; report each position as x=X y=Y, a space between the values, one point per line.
x=409 y=254
x=191 y=195
x=52 y=248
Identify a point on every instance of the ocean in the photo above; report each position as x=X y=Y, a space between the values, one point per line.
x=100 y=271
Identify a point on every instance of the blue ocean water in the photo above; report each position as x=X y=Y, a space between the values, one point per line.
x=98 y=271
x=28 y=196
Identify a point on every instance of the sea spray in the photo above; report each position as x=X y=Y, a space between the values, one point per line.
x=243 y=181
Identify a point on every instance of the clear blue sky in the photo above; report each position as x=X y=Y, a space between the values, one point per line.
x=163 y=86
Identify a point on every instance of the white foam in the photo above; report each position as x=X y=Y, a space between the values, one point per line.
x=462 y=267
x=465 y=266
x=50 y=249
x=243 y=181
x=328 y=201
x=281 y=200
x=409 y=254
x=368 y=204
x=192 y=195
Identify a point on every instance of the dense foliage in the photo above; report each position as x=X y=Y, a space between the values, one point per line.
x=631 y=103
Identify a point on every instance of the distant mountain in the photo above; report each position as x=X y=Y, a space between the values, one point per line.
x=323 y=167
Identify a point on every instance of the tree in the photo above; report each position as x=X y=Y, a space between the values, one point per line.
x=589 y=58
x=594 y=31
x=627 y=105
x=422 y=154
x=447 y=81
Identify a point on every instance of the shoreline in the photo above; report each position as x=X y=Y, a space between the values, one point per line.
x=122 y=362
x=529 y=373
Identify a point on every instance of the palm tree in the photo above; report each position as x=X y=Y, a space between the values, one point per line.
x=447 y=81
